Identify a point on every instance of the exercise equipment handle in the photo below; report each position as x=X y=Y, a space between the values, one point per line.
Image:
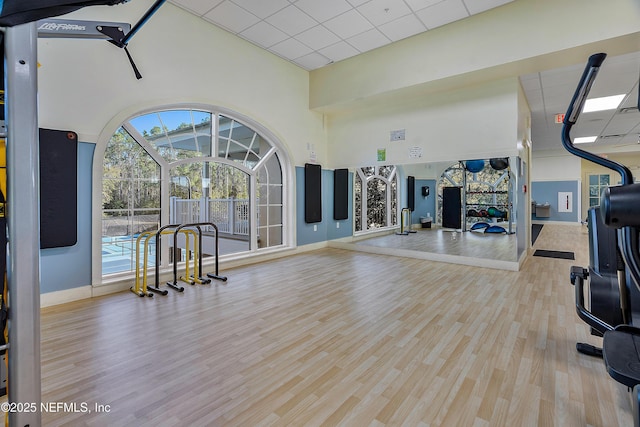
x=584 y=87
x=573 y=112
x=578 y=276
x=627 y=235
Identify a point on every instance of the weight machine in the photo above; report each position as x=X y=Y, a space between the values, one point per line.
x=614 y=282
x=18 y=24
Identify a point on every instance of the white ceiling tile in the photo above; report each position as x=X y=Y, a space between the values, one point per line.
x=312 y=61
x=291 y=20
x=199 y=7
x=323 y=10
x=633 y=57
x=614 y=140
x=318 y=37
x=442 y=13
x=348 y=24
x=621 y=124
x=535 y=95
x=632 y=143
x=532 y=76
x=290 y=49
x=356 y=3
x=557 y=101
x=532 y=84
x=262 y=8
x=339 y=51
x=402 y=28
x=368 y=40
x=631 y=100
x=264 y=34
x=416 y=5
x=477 y=6
x=560 y=79
x=535 y=103
x=618 y=86
x=379 y=12
x=588 y=126
x=231 y=17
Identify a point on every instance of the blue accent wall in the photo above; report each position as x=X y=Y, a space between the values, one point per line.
x=424 y=205
x=328 y=228
x=547 y=191
x=70 y=267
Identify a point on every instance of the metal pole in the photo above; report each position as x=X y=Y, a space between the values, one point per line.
x=23 y=193
x=154 y=8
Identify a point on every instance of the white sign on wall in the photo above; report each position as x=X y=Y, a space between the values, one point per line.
x=565 y=202
x=415 y=152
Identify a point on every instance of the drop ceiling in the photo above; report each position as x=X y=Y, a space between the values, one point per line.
x=549 y=93
x=315 y=33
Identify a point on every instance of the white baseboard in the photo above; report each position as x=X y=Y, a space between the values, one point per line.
x=60 y=297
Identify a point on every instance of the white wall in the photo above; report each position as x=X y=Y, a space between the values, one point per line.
x=470 y=123
x=524 y=122
x=426 y=170
x=88 y=85
x=555 y=165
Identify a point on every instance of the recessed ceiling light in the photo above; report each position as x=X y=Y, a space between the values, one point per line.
x=601 y=104
x=584 y=139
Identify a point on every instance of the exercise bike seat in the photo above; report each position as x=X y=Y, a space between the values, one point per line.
x=621 y=354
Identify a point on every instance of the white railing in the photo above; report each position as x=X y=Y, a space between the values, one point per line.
x=231 y=215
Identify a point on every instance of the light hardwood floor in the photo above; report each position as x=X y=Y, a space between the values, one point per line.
x=335 y=337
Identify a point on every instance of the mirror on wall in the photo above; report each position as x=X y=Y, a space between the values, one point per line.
x=487 y=196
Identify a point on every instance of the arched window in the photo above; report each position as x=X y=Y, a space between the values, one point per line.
x=185 y=166
x=376 y=197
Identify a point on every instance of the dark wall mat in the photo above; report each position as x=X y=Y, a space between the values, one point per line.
x=341 y=194
x=535 y=232
x=312 y=193
x=58 y=188
x=411 y=193
x=554 y=254
x=451 y=207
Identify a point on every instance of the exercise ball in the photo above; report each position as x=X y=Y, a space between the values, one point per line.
x=493 y=211
x=472 y=212
x=495 y=229
x=499 y=163
x=479 y=226
x=474 y=166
